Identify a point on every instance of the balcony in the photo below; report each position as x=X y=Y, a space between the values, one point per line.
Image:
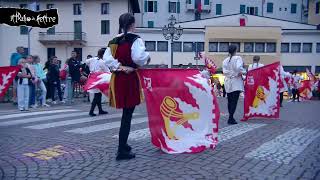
x=69 y=38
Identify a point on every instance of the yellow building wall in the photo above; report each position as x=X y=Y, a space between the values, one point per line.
x=242 y=35
x=313 y=18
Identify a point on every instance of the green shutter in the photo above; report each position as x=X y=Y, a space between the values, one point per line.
x=155 y=6
x=218 y=9
x=293 y=8
x=178 y=7
x=168 y=6
x=206 y=2
x=242 y=9
x=270 y=7
x=256 y=11
x=145 y=6
x=150 y=24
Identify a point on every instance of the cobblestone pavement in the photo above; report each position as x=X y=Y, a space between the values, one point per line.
x=63 y=142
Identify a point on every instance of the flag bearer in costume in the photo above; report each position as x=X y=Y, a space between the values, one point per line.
x=233 y=70
x=125 y=53
x=96 y=64
x=284 y=87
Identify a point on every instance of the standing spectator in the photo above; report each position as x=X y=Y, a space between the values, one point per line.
x=233 y=71
x=66 y=86
x=32 y=87
x=54 y=80
x=296 y=85
x=255 y=63
x=14 y=60
x=41 y=76
x=23 y=80
x=74 y=69
x=46 y=82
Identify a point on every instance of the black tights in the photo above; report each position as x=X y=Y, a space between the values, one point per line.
x=125 y=128
x=281 y=98
x=96 y=102
x=233 y=98
x=295 y=94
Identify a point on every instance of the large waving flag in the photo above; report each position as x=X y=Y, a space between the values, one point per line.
x=209 y=63
x=183 y=111
x=305 y=89
x=262 y=88
x=99 y=80
x=7 y=75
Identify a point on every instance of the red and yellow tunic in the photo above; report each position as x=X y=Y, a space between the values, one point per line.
x=125 y=89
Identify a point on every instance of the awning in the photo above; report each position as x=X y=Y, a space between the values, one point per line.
x=298 y=68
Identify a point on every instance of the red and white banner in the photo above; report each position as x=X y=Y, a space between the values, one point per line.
x=98 y=81
x=183 y=111
x=305 y=89
x=7 y=75
x=209 y=63
x=262 y=88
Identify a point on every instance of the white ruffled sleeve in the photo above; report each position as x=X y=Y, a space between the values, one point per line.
x=109 y=60
x=138 y=52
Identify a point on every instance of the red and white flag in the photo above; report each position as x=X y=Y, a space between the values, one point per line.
x=305 y=89
x=183 y=111
x=262 y=88
x=7 y=75
x=311 y=76
x=209 y=63
x=100 y=81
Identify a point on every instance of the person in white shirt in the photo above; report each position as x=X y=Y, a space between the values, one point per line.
x=255 y=63
x=283 y=75
x=125 y=53
x=233 y=70
x=296 y=85
x=96 y=64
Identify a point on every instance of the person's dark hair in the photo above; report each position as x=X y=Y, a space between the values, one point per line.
x=295 y=71
x=52 y=57
x=89 y=56
x=101 y=52
x=125 y=21
x=232 y=50
x=256 y=58
x=74 y=52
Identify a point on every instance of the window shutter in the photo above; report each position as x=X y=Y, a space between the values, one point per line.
x=155 y=6
x=145 y=6
x=178 y=7
x=256 y=11
x=168 y=6
x=242 y=9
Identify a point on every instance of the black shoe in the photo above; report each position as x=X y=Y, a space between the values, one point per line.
x=232 y=121
x=103 y=112
x=92 y=114
x=125 y=156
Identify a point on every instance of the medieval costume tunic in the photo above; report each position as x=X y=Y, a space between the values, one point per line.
x=126 y=50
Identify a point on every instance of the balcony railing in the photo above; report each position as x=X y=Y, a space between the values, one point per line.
x=62 y=37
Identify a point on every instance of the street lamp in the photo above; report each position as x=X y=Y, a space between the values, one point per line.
x=172 y=33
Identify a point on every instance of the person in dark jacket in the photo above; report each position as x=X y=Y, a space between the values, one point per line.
x=54 y=79
x=74 y=67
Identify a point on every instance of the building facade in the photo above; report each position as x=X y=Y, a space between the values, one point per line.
x=314 y=12
x=84 y=26
x=155 y=13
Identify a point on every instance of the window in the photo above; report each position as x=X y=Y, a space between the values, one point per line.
x=23 y=6
x=236 y=44
x=150 y=24
x=285 y=47
x=51 y=30
x=23 y=30
x=105 y=8
x=189 y=1
x=252 y=10
x=206 y=2
x=285 y=9
x=295 y=47
x=51 y=52
x=150 y=6
x=307 y=47
x=242 y=8
x=188 y=47
x=270 y=7
x=213 y=47
x=318 y=48
x=174 y=7
x=50 y=6
x=176 y=47
x=162 y=46
x=259 y=47
x=76 y=9
x=248 y=47
x=199 y=46
x=271 y=47
x=223 y=47
x=79 y=52
x=218 y=9
x=293 y=8
x=105 y=27
x=317 y=7
x=150 y=45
